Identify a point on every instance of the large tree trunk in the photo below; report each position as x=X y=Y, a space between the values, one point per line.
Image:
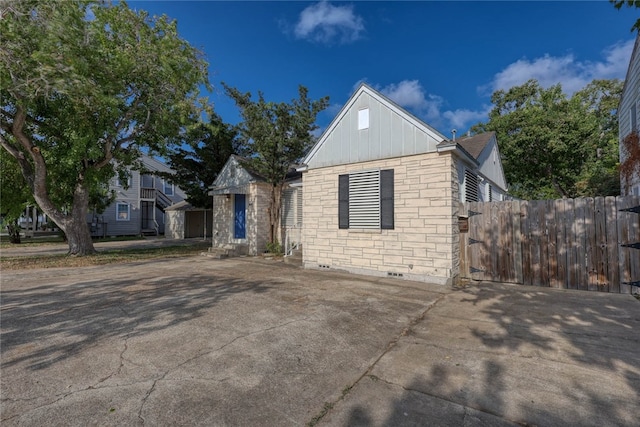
x=79 y=238
x=74 y=223
x=77 y=229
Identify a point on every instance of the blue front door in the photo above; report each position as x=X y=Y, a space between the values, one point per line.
x=239 y=217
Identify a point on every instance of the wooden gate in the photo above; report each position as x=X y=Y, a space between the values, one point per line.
x=588 y=244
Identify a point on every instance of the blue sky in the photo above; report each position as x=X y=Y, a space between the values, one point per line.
x=440 y=60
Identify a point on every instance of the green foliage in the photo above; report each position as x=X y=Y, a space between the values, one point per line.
x=274 y=248
x=277 y=135
x=14 y=195
x=629 y=3
x=198 y=161
x=554 y=146
x=84 y=87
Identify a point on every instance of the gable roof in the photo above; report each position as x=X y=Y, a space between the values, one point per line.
x=149 y=164
x=354 y=146
x=474 y=145
x=246 y=165
x=184 y=206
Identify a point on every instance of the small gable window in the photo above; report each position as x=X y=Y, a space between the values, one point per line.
x=168 y=188
x=363 y=119
x=124 y=183
x=365 y=200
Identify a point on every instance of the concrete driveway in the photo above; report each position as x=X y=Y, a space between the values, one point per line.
x=196 y=341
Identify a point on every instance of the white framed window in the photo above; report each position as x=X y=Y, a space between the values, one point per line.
x=123 y=211
x=168 y=188
x=125 y=183
x=363 y=119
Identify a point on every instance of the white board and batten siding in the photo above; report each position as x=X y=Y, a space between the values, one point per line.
x=372 y=127
x=628 y=109
x=629 y=114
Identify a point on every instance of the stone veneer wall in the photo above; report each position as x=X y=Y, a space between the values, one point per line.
x=257 y=221
x=260 y=195
x=222 y=217
x=424 y=244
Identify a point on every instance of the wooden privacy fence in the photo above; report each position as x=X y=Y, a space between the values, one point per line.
x=589 y=244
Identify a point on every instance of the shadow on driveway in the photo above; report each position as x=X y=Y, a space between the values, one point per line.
x=495 y=354
x=97 y=309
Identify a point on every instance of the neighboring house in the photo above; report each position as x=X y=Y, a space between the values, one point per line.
x=382 y=191
x=184 y=221
x=628 y=111
x=241 y=208
x=139 y=207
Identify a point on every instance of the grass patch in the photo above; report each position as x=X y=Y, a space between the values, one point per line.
x=28 y=241
x=326 y=408
x=49 y=240
x=114 y=256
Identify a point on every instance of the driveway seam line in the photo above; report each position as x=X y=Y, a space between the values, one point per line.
x=328 y=406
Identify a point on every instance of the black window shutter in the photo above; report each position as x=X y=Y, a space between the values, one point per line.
x=386 y=199
x=343 y=201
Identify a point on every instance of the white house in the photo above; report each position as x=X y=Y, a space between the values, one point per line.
x=140 y=203
x=382 y=191
x=628 y=126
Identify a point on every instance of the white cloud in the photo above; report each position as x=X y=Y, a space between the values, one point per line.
x=462 y=119
x=411 y=95
x=430 y=107
x=324 y=23
x=571 y=73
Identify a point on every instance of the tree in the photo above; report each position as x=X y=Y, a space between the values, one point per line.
x=630 y=3
x=278 y=134
x=198 y=161
x=600 y=175
x=84 y=87
x=15 y=197
x=555 y=146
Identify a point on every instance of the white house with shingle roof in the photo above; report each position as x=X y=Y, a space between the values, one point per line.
x=382 y=191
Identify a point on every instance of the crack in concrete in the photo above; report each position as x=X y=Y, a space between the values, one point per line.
x=62 y=397
x=256 y=333
x=99 y=384
x=144 y=399
x=405 y=331
x=204 y=353
x=117 y=371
